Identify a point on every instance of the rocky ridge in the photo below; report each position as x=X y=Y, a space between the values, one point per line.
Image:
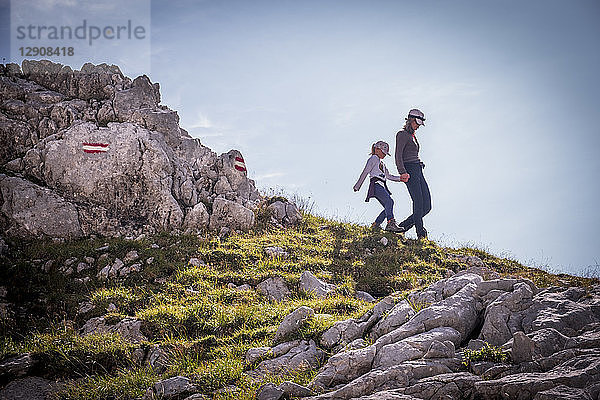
x=549 y=338
x=94 y=152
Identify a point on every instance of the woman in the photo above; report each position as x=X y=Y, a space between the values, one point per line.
x=410 y=169
x=378 y=186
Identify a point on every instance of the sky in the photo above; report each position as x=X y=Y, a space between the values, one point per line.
x=510 y=90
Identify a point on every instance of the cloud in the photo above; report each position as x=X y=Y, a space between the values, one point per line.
x=201 y=121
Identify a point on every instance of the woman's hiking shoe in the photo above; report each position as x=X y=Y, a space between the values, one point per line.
x=392 y=227
x=375 y=227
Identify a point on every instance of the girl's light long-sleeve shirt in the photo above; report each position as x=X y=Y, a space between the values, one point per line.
x=375 y=168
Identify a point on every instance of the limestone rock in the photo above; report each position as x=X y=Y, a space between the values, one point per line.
x=227 y=213
x=107 y=158
x=343 y=332
x=173 y=388
x=33 y=211
x=16 y=367
x=293 y=322
x=523 y=348
x=274 y=288
x=196 y=219
x=299 y=355
x=397 y=316
x=311 y=284
x=30 y=388
x=269 y=392
x=129 y=328
x=286 y=213
x=275 y=252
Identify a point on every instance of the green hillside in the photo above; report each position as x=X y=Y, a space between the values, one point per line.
x=186 y=298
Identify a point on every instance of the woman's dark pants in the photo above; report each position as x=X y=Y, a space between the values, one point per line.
x=421 y=199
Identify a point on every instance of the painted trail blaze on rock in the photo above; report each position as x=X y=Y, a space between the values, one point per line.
x=239 y=164
x=95 y=147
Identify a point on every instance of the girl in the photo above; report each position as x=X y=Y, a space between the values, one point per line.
x=378 y=172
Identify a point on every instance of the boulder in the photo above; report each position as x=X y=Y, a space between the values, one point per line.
x=293 y=322
x=342 y=333
x=172 y=388
x=285 y=213
x=296 y=356
x=313 y=285
x=30 y=388
x=129 y=328
x=227 y=213
x=396 y=317
x=274 y=288
x=16 y=367
x=34 y=211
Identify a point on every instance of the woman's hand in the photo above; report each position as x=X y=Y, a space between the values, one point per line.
x=405 y=177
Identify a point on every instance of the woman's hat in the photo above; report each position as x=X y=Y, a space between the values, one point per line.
x=383 y=146
x=417 y=115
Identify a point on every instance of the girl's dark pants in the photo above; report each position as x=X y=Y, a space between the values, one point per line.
x=421 y=199
x=382 y=195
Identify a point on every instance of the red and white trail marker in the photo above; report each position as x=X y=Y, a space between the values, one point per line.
x=95 y=147
x=239 y=164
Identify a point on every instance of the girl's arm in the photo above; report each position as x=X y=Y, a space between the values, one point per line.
x=368 y=167
x=391 y=177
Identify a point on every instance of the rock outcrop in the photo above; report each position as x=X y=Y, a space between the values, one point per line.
x=92 y=151
x=546 y=341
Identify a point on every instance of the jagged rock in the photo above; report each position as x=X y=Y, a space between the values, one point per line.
x=438 y=349
x=523 y=348
x=291 y=389
x=397 y=316
x=293 y=322
x=258 y=353
x=286 y=213
x=227 y=213
x=274 y=288
x=30 y=388
x=344 y=367
x=82 y=267
x=196 y=219
x=500 y=324
x=456 y=385
x=364 y=296
x=31 y=210
x=118 y=159
x=343 y=332
x=16 y=367
x=129 y=328
x=299 y=355
x=578 y=372
x=394 y=377
x=137 y=267
x=414 y=347
x=563 y=392
x=111 y=270
x=311 y=284
x=275 y=252
x=269 y=392
x=131 y=256
x=172 y=388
